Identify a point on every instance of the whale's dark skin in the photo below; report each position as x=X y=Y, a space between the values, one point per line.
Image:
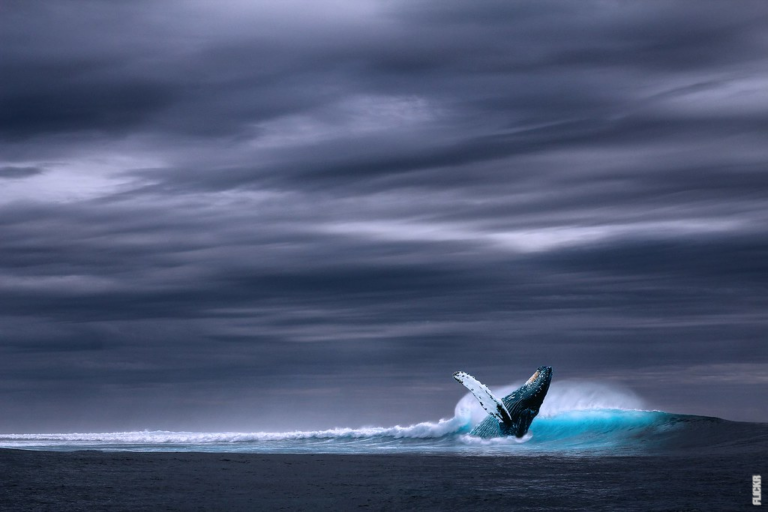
x=522 y=404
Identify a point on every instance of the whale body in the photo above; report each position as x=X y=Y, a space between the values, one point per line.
x=513 y=414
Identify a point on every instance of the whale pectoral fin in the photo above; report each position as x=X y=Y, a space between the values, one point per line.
x=490 y=403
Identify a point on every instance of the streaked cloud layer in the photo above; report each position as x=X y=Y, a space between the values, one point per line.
x=209 y=210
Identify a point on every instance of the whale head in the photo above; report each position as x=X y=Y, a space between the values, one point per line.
x=532 y=393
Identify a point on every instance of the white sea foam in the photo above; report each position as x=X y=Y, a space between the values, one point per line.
x=418 y=431
x=563 y=396
x=494 y=441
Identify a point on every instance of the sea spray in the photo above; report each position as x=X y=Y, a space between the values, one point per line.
x=578 y=418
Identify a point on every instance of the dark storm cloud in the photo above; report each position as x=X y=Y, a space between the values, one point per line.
x=13 y=172
x=240 y=203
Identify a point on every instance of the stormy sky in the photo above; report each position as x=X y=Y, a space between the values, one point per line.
x=299 y=214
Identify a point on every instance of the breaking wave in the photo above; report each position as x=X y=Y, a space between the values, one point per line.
x=576 y=418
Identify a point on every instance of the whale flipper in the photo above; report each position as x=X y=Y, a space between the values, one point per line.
x=490 y=403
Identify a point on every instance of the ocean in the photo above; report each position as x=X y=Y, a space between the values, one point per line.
x=577 y=419
x=591 y=448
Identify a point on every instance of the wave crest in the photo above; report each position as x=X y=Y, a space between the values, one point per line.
x=423 y=430
x=578 y=417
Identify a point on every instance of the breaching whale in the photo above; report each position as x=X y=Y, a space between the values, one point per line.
x=513 y=414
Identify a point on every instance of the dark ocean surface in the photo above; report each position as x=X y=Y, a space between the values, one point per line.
x=586 y=451
x=93 y=480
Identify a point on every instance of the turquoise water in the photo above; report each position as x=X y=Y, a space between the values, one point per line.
x=596 y=431
x=577 y=418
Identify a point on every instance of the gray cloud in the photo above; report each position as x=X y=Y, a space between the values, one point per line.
x=239 y=204
x=14 y=172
